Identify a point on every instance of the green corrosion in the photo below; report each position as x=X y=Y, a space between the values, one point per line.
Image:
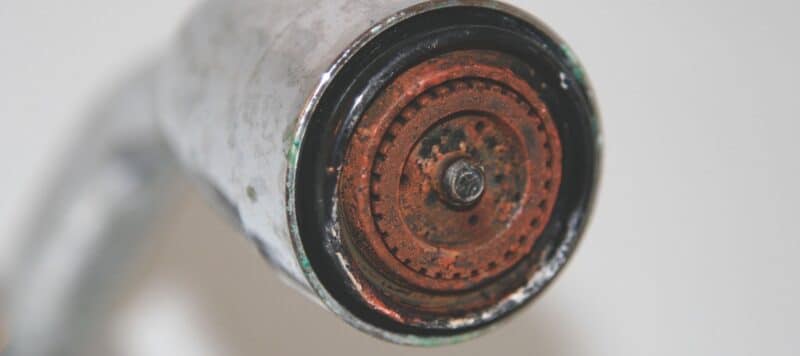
x=305 y=263
x=292 y=154
x=441 y=341
x=577 y=70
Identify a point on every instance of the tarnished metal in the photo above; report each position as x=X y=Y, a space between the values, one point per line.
x=463 y=109
x=463 y=183
x=264 y=111
x=422 y=170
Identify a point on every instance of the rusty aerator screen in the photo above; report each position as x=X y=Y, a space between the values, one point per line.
x=449 y=172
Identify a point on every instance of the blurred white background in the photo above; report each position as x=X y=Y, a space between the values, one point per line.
x=692 y=250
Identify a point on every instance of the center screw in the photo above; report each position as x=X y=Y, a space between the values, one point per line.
x=463 y=183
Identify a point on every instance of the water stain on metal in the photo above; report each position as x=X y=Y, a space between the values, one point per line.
x=252 y=194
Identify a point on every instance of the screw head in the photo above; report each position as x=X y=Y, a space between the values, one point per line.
x=463 y=183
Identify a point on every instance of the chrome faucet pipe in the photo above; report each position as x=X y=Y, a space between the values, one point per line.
x=262 y=102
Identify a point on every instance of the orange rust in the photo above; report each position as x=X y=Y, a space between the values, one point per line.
x=465 y=105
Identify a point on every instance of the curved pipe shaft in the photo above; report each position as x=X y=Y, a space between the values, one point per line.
x=112 y=185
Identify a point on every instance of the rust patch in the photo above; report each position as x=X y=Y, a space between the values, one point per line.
x=467 y=107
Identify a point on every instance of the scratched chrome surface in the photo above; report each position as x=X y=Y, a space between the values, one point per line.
x=235 y=96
